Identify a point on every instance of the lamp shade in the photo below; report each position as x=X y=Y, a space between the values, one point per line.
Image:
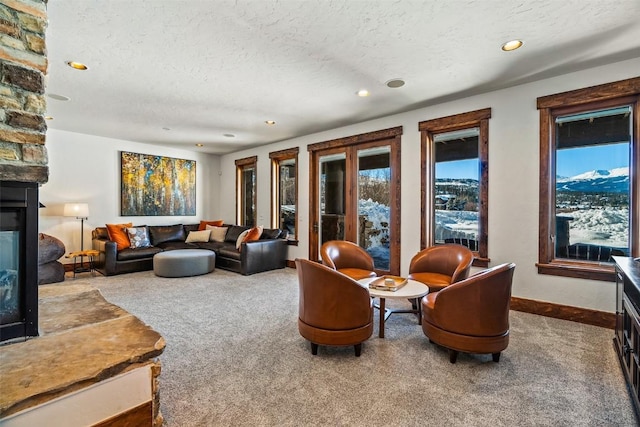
x=79 y=210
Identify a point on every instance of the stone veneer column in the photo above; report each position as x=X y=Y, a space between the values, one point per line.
x=23 y=65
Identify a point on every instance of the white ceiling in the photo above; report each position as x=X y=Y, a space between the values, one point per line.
x=205 y=68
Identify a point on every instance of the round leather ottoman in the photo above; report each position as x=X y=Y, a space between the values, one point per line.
x=184 y=262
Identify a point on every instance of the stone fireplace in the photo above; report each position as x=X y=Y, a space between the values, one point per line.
x=92 y=363
x=23 y=161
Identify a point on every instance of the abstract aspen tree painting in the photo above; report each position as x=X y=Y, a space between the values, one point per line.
x=157 y=185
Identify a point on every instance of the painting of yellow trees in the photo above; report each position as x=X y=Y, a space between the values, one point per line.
x=157 y=185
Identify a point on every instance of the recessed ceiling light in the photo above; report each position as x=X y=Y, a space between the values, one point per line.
x=395 y=83
x=199 y=145
x=58 y=97
x=77 y=65
x=511 y=45
x=270 y=122
x=48 y=117
x=362 y=92
x=229 y=135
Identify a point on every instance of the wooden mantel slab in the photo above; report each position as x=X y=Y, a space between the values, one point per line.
x=83 y=340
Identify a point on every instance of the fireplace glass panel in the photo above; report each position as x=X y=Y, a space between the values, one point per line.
x=10 y=271
x=18 y=260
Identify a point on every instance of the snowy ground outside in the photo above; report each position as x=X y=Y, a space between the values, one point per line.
x=604 y=227
x=456 y=224
x=377 y=214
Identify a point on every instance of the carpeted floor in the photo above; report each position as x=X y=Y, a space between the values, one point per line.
x=234 y=358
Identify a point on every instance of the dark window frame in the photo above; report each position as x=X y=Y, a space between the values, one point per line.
x=277 y=157
x=241 y=166
x=624 y=92
x=428 y=129
x=350 y=145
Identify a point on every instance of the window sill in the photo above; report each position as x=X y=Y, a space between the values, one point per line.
x=602 y=272
x=481 y=262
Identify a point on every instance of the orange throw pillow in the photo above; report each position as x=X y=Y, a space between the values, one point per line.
x=216 y=223
x=118 y=234
x=253 y=234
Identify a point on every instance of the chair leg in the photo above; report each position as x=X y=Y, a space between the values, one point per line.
x=453 y=356
x=496 y=357
x=358 y=349
x=314 y=348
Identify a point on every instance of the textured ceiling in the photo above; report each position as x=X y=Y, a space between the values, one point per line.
x=205 y=68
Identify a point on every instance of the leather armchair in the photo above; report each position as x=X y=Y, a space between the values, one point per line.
x=441 y=265
x=472 y=315
x=333 y=309
x=347 y=258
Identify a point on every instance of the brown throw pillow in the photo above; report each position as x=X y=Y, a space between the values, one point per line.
x=118 y=234
x=203 y=224
x=253 y=234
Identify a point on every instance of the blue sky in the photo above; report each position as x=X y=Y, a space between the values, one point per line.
x=458 y=169
x=570 y=162
x=574 y=161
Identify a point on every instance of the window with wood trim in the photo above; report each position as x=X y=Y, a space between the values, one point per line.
x=284 y=191
x=455 y=179
x=589 y=162
x=355 y=195
x=246 y=184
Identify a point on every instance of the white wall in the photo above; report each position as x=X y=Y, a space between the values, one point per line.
x=86 y=169
x=513 y=181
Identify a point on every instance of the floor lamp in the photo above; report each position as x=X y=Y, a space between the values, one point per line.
x=81 y=212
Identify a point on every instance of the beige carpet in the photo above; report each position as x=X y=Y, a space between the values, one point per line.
x=234 y=358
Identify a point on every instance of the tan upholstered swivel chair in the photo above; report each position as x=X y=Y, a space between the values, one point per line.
x=334 y=309
x=347 y=258
x=472 y=315
x=441 y=265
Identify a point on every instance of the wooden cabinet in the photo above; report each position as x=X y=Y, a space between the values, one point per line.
x=627 y=334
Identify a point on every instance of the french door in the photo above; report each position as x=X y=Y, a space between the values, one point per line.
x=355 y=195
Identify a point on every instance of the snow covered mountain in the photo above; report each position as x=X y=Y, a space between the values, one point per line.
x=596 y=181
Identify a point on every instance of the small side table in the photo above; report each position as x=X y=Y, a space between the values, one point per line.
x=89 y=253
x=413 y=290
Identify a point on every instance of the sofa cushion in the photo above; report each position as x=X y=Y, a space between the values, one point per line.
x=191 y=227
x=166 y=233
x=129 y=254
x=270 y=233
x=176 y=244
x=118 y=234
x=213 y=246
x=233 y=232
x=228 y=252
x=138 y=237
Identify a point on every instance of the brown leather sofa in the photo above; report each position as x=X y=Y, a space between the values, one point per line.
x=441 y=265
x=268 y=253
x=347 y=258
x=472 y=315
x=333 y=308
